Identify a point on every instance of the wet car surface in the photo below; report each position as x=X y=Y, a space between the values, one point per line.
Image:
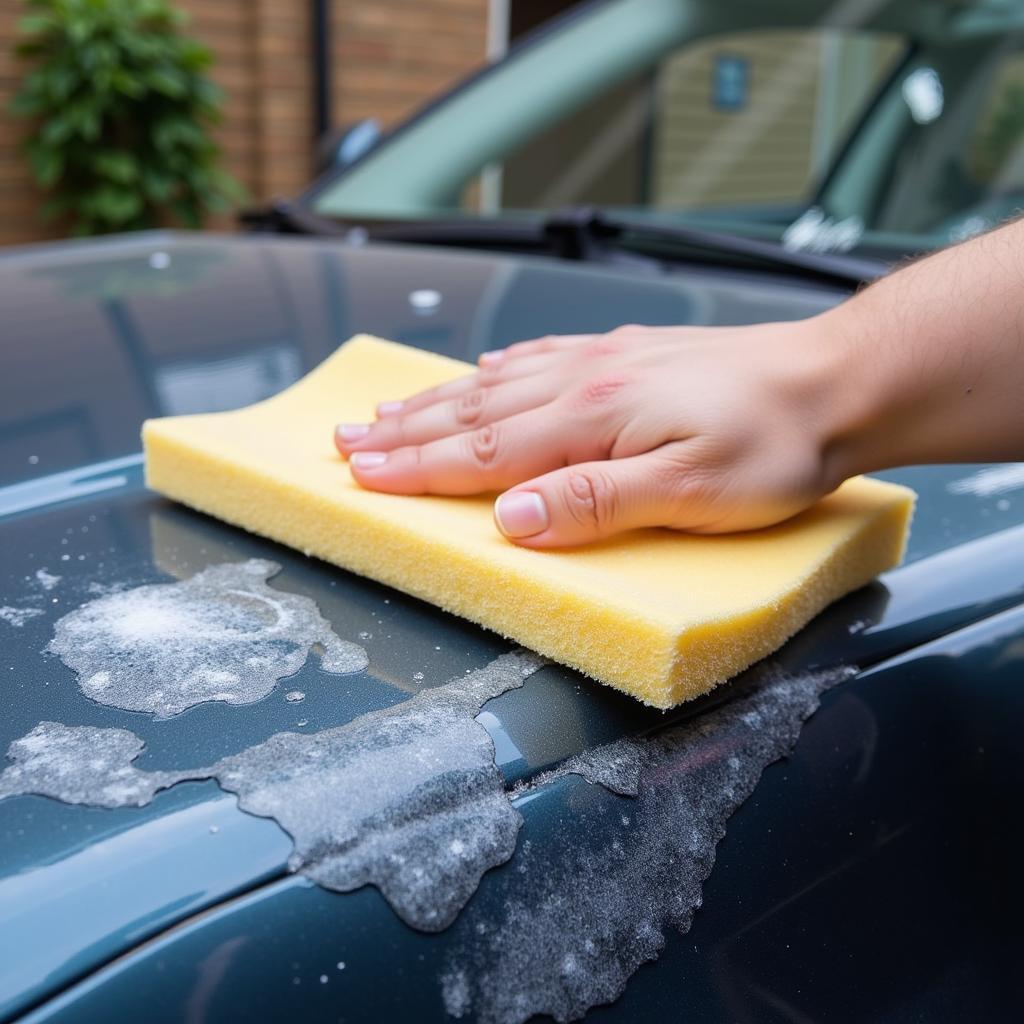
x=876 y=862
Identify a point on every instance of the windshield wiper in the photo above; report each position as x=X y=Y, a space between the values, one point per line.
x=578 y=230
x=576 y=233
x=289 y=217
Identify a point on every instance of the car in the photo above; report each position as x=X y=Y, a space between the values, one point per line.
x=448 y=828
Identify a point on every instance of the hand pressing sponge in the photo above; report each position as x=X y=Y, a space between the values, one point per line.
x=661 y=615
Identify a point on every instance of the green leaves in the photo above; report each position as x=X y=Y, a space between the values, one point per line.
x=121 y=114
x=117 y=165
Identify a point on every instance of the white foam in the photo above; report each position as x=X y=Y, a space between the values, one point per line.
x=47 y=580
x=590 y=904
x=223 y=635
x=81 y=764
x=435 y=819
x=17 y=617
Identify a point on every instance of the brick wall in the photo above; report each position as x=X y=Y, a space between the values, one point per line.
x=392 y=55
x=17 y=195
x=388 y=57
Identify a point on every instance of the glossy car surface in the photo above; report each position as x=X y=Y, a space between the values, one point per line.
x=870 y=877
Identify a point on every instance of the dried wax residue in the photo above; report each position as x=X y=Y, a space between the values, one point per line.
x=17 y=617
x=588 y=906
x=223 y=635
x=434 y=820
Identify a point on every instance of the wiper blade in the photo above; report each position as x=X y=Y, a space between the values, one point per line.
x=283 y=215
x=577 y=231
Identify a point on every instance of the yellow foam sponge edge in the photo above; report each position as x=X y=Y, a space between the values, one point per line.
x=662 y=615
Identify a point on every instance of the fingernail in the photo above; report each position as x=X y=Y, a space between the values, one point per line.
x=352 y=431
x=368 y=460
x=488 y=358
x=521 y=514
x=389 y=408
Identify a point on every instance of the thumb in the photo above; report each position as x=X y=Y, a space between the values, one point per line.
x=591 y=500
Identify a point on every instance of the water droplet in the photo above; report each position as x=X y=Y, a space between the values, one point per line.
x=323 y=979
x=364 y=635
x=341 y=965
x=33 y=460
x=418 y=676
x=302 y=721
x=294 y=696
x=215 y=829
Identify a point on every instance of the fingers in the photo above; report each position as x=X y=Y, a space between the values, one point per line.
x=588 y=501
x=470 y=410
x=488 y=376
x=550 y=343
x=490 y=458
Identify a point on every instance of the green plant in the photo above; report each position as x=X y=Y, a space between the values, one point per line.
x=121 y=110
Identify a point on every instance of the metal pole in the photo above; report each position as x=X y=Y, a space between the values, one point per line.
x=321 y=46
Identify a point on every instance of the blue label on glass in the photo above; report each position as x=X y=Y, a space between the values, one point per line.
x=730 y=82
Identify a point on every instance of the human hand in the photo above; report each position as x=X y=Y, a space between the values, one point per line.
x=700 y=429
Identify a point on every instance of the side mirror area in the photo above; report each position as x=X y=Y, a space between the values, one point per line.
x=344 y=146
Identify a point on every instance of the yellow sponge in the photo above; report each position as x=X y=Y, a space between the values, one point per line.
x=664 y=616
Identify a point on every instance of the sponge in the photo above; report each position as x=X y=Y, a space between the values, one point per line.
x=661 y=615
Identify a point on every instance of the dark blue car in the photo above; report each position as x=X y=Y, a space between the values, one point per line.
x=827 y=838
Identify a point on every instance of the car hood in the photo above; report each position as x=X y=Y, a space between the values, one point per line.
x=100 y=336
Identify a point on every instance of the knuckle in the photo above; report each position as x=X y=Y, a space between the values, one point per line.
x=394 y=432
x=484 y=446
x=604 y=345
x=591 y=500
x=690 y=487
x=488 y=376
x=599 y=390
x=470 y=406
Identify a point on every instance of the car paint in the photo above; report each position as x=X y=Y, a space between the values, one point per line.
x=187 y=903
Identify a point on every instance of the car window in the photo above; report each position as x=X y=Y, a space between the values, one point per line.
x=738 y=119
x=995 y=149
x=898 y=132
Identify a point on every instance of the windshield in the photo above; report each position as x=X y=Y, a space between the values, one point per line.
x=858 y=125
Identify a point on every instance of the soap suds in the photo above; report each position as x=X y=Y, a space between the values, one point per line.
x=47 y=580
x=222 y=635
x=17 y=617
x=990 y=481
x=82 y=764
x=592 y=902
x=616 y=766
x=435 y=818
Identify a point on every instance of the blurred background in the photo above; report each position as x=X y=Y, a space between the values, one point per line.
x=118 y=115
x=289 y=74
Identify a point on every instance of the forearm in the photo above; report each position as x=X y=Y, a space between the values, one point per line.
x=928 y=363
